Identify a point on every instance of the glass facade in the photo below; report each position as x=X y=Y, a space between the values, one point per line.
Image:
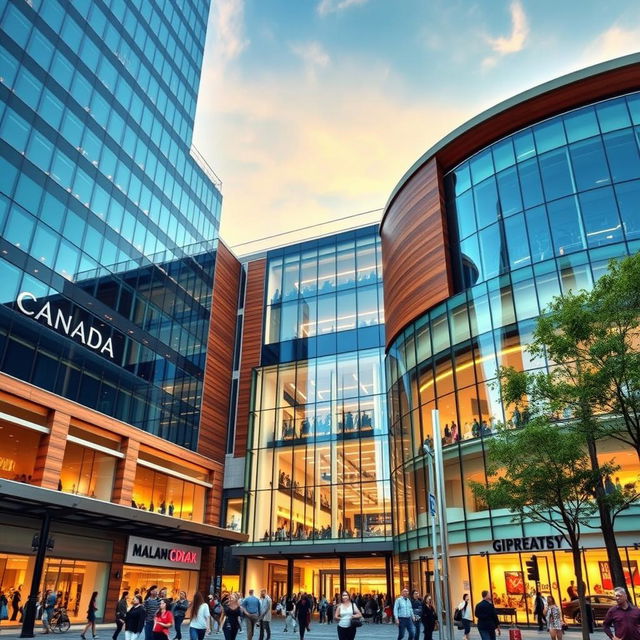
x=531 y=217
x=318 y=462
x=107 y=222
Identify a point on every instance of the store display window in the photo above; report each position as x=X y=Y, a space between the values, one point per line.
x=87 y=472
x=18 y=452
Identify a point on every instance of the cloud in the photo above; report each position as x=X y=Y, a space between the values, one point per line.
x=226 y=27
x=616 y=41
x=326 y=7
x=312 y=54
x=514 y=42
x=293 y=153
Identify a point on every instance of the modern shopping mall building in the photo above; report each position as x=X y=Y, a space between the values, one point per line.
x=174 y=414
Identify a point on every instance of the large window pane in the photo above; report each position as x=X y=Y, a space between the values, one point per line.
x=589 y=164
x=600 y=216
x=556 y=174
x=566 y=227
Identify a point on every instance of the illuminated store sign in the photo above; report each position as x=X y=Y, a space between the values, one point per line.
x=62 y=322
x=535 y=543
x=156 y=553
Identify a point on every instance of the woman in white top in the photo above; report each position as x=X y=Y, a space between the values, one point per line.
x=466 y=615
x=344 y=613
x=200 y=618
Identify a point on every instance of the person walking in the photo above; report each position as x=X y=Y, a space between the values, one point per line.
x=200 y=618
x=429 y=618
x=416 y=605
x=134 y=619
x=346 y=611
x=403 y=613
x=488 y=622
x=162 y=621
x=230 y=620
x=539 y=606
x=465 y=616
x=290 y=615
x=121 y=614
x=265 y=615
x=151 y=606
x=91 y=616
x=303 y=614
x=322 y=609
x=50 y=599
x=553 y=615
x=251 y=612
x=623 y=617
x=15 y=603
x=179 y=611
x=4 y=607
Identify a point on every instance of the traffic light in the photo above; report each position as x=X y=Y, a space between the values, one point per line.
x=532 y=569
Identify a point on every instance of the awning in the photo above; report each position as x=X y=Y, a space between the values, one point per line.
x=315 y=549
x=26 y=500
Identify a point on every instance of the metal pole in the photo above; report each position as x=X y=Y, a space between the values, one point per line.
x=442 y=519
x=434 y=538
x=30 y=610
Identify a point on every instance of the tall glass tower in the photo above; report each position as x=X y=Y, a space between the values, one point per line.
x=108 y=221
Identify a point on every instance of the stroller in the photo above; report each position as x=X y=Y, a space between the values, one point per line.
x=60 y=620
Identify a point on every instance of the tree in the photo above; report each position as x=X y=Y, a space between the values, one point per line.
x=592 y=340
x=542 y=473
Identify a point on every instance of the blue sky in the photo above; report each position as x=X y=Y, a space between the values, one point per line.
x=312 y=110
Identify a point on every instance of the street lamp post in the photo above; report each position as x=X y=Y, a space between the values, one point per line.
x=442 y=519
x=434 y=537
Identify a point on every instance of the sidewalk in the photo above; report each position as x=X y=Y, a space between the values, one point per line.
x=318 y=632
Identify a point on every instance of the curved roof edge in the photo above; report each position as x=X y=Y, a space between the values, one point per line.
x=505 y=105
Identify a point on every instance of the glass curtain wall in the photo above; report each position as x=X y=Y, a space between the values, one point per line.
x=104 y=212
x=319 y=455
x=558 y=200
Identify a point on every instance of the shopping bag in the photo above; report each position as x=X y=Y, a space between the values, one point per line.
x=515 y=634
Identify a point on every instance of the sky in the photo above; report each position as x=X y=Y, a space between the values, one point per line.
x=313 y=110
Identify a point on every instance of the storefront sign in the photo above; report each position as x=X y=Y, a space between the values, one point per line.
x=156 y=553
x=535 y=543
x=64 y=323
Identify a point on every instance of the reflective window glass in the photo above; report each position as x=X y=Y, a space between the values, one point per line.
x=470 y=261
x=549 y=135
x=516 y=234
x=40 y=151
x=493 y=251
x=556 y=174
x=346 y=310
x=581 y=124
x=486 y=202
x=15 y=130
x=623 y=155
x=524 y=145
x=465 y=214
x=530 y=183
x=566 y=227
x=600 y=216
x=589 y=164
x=503 y=154
x=9 y=66
x=462 y=178
x=628 y=196
x=19 y=228
x=633 y=102
x=613 y=114
x=367 y=306
x=539 y=234
x=481 y=166
x=509 y=190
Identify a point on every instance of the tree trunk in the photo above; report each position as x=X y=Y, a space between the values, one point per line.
x=606 y=522
x=577 y=568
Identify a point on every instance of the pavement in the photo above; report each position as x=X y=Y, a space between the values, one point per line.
x=318 y=632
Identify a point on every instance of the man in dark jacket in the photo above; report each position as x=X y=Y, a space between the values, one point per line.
x=488 y=623
x=416 y=605
x=538 y=610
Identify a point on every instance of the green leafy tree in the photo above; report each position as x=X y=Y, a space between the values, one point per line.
x=542 y=473
x=593 y=340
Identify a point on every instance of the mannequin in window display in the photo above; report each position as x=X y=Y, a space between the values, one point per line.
x=447 y=434
x=455 y=436
x=348 y=421
x=163 y=507
x=475 y=428
x=171 y=508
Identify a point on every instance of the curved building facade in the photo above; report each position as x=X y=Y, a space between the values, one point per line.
x=525 y=202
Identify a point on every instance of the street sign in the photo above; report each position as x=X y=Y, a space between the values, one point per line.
x=432 y=504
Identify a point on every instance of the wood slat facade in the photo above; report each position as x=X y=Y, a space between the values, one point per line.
x=251 y=348
x=415 y=257
x=216 y=390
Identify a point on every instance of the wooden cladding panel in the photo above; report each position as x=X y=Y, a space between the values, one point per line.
x=415 y=250
x=51 y=451
x=113 y=587
x=251 y=348
x=216 y=391
x=126 y=473
x=214 y=499
x=540 y=107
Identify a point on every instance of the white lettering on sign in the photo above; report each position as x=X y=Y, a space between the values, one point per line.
x=56 y=319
